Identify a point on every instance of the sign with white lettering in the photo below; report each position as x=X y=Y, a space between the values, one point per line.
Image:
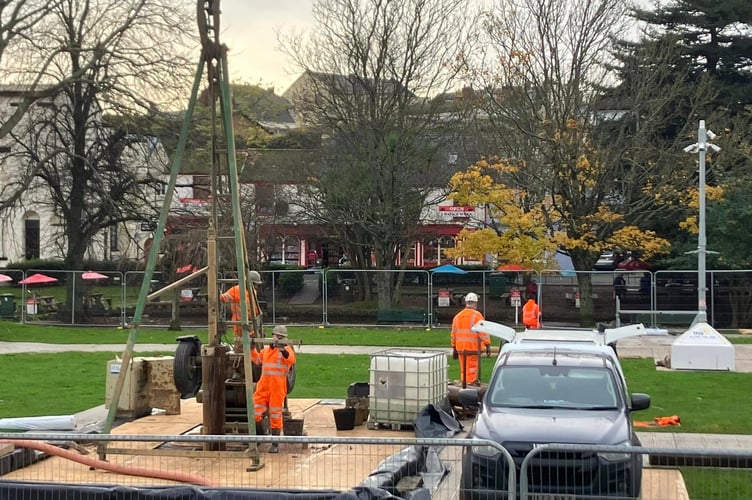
x=456 y=209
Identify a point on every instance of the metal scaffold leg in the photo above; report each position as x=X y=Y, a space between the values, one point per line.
x=210 y=363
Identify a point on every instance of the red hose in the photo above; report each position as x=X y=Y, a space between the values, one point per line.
x=181 y=477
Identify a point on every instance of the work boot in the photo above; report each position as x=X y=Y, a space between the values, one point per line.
x=261 y=429
x=275 y=445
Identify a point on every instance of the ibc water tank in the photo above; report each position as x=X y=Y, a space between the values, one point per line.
x=402 y=382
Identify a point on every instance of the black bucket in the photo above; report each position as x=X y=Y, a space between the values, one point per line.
x=293 y=426
x=344 y=418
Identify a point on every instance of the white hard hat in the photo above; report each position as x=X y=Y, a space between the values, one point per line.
x=254 y=276
x=280 y=331
x=471 y=297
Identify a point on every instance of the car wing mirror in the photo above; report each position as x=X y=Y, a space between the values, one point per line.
x=639 y=401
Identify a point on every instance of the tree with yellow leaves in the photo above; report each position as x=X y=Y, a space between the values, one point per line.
x=515 y=232
x=571 y=178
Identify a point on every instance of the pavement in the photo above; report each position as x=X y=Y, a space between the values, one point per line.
x=657 y=347
x=310 y=291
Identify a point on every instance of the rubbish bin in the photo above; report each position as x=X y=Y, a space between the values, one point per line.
x=7 y=306
x=497 y=284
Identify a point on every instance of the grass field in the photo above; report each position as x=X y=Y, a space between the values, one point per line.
x=308 y=335
x=66 y=383
x=53 y=384
x=312 y=335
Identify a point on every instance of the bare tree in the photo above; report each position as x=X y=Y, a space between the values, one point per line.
x=18 y=20
x=114 y=57
x=369 y=69
x=582 y=153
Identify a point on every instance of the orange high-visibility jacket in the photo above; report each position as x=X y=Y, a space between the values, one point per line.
x=463 y=338
x=233 y=297
x=271 y=389
x=531 y=314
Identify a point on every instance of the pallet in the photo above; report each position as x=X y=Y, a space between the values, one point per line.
x=389 y=425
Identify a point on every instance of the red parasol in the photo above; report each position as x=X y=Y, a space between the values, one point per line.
x=37 y=279
x=91 y=275
x=4 y=278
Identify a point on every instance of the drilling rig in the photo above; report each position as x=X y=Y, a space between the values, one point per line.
x=221 y=376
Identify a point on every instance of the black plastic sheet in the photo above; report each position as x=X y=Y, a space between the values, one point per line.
x=437 y=421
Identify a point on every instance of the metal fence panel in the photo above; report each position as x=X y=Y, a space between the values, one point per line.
x=69 y=464
x=343 y=296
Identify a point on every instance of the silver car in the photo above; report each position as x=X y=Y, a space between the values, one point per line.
x=549 y=391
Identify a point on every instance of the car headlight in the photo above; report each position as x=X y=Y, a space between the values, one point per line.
x=612 y=456
x=485 y=451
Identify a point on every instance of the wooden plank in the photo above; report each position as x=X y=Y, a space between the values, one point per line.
x=6 y=448
x=663 y=484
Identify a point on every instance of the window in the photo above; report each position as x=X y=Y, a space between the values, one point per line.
x=286 y=250
x=201 y=187
x=31 y=232
x=265 y=199
x=114 y=238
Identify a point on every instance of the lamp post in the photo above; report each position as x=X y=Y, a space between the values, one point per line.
x=701 y=147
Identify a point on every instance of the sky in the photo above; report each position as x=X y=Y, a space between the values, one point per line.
x=249 y=29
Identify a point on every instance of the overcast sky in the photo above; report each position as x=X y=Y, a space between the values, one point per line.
x=248 y=28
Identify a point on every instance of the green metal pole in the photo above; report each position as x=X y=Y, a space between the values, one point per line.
x=154 y=251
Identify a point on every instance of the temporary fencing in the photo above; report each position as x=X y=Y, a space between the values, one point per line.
x=418 y=298
x=70 y=465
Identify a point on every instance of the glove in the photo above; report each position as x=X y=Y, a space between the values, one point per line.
x=455 y=355
x=488 y=351
x=285 y=354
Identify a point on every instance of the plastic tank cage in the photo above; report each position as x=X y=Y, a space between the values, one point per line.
x=403 y=382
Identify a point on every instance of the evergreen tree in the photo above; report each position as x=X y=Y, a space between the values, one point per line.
x=714 y=38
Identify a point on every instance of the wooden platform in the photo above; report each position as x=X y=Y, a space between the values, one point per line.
x=296 y=466
x=323 y=467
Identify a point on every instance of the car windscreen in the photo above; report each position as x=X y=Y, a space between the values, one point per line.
x=549 y=386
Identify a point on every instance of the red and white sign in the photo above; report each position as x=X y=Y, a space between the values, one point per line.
x=444 y=298
x=193 y=201
x=456 y=208
x=514 y=297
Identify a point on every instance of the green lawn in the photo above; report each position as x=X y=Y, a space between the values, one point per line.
x=59 y=384
x=30 y=384
x=312 y=335
x=309 y=335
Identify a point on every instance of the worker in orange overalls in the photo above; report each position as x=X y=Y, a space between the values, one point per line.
x=276 y=360
x=233 y=297
x=467 y=344
x=531 y=314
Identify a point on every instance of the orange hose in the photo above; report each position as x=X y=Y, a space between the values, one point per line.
x=117 y=468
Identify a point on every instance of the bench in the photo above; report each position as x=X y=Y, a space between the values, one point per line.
x=402 y=316
x=683 y=318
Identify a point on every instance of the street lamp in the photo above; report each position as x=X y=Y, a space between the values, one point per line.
x=701 y=147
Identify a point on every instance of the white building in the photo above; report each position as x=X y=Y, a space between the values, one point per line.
x=31 y=226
